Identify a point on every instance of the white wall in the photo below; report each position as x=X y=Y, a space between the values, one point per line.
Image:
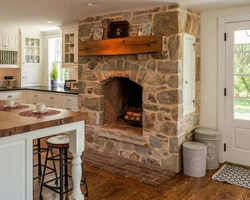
x=209 y=59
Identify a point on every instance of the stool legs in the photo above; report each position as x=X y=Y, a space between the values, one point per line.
x=39 y=157
x=44 y=170
x=66 y=167
x=61 y=173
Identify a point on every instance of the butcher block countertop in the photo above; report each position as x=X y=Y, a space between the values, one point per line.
x=11 y=123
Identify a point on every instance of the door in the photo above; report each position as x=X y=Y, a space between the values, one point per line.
x=238 y=93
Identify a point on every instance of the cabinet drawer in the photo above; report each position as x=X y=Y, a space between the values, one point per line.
x=75 y=108
x=35 y=95
x=12 y=95
x=51 y=98
x=69 y=100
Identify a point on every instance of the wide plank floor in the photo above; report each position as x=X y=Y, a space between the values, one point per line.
x=106 y=185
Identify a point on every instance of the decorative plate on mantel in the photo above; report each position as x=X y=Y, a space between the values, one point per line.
x=118 y=29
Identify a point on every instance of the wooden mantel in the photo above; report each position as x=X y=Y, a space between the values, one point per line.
x=121 y=46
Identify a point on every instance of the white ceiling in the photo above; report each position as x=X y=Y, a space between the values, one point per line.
x=34 y=13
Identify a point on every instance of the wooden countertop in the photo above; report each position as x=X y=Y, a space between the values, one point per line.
x=11 y=123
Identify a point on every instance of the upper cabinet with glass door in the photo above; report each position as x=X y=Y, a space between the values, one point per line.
x=32 y=50
x=70 y=47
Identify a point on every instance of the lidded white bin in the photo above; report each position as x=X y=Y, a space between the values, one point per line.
x=194 y=159
x=211 y=138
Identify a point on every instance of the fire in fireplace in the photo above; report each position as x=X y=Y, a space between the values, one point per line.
x=123 y=102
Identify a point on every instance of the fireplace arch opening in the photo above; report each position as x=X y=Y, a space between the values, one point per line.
x=123 y=102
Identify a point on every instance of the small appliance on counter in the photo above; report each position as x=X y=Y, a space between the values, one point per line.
x=8 y=82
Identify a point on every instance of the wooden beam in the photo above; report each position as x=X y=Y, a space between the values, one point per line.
x=121 y=46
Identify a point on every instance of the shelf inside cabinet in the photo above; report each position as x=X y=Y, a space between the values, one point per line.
x=121 y=46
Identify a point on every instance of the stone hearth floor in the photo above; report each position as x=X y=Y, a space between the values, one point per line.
x=141 y=172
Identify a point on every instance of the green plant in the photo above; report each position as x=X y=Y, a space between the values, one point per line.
x=54 y=72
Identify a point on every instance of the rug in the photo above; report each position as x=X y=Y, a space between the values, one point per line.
x=233 y=175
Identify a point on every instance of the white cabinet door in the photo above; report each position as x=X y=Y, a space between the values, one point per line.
x=188 y=73
x=31 y=76
x=2 y=35
x=70 y=48
x=13 y=170
x=11 y=41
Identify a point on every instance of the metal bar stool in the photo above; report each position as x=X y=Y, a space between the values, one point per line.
x=60 y=142
x=37 y=150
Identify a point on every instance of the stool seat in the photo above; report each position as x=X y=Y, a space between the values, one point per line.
x=58 y=141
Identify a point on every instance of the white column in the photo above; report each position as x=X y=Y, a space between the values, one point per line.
x=76 y=147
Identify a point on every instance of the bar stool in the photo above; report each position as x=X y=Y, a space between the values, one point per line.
x=60 y=142
x=38 y=150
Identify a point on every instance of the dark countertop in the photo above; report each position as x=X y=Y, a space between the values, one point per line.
x=44 y=89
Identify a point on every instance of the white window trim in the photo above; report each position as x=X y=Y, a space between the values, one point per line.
x=222 y=21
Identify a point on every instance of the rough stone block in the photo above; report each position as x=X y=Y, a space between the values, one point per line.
x=134 y=72
x=153 y=78
x=174 y=145
x=174 y=81
x=169 y=128
x=165 y=23
x=151 y=107
x=165 y=67
x=174 y=47
x=142 y=150
x=148 y=121
x=140 y=19
x=142 y=75
x=92 y=65
x=155 y=142
x=151 y=65
x=85 y=30
x=168 y=97
x=93 y=103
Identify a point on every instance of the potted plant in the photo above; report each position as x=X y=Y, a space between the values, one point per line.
x=54 y=74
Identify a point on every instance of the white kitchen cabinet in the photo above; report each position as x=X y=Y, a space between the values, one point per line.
x=9 y=41
x=14 y=95
x=31 y=76
x=189 y=73
x=53 y=99
x=13 y=170
x=70 y=46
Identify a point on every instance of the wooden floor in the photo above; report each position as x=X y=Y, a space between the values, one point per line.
x=105 y=185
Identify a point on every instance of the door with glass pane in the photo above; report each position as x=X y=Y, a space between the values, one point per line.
x=238 y=93
x=70 y=49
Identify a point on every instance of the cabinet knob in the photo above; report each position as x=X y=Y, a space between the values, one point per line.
x=51 y=98
x=186 y=82
x=35 y=95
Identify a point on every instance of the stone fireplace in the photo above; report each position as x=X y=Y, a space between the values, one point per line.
x=111 y=86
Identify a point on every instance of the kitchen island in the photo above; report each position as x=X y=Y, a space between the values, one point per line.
x=16 y=149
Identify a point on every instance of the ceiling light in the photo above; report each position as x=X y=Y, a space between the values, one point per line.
x=90 y=4
x=49 y=22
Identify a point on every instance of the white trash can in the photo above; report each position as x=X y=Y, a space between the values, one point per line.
x=194 y=159
x=211 y=138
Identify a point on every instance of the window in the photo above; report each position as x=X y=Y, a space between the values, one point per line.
x=55 y=57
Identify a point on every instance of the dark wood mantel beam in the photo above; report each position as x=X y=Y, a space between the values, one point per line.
x=121 y=46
